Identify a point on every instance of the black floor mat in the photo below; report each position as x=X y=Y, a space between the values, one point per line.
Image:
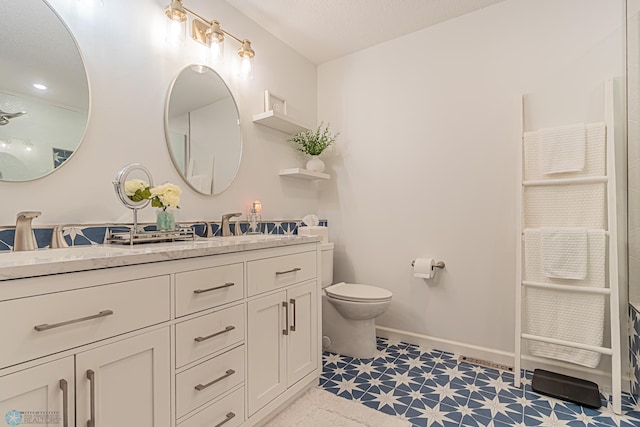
x=567 y=388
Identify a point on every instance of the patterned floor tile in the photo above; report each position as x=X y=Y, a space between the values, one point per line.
x=432 y=388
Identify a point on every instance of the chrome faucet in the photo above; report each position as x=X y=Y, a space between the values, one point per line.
x=208 y=232
x=24 y=239
x=57 y=238
x=226 y=230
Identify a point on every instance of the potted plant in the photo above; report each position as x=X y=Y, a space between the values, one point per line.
x=313 y=144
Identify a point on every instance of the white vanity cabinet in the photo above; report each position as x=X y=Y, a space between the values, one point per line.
x=125 y=383
x=282 y=326
x=48 y=389
x=121 y=382
x=220 y=337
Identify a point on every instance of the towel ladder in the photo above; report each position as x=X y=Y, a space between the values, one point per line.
x=611 y=291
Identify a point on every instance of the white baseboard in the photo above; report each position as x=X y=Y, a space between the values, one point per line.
x=600 y=377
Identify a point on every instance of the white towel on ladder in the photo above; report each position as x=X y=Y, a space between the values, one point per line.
x=562 y=149
x=564 y=252
x=574 y=317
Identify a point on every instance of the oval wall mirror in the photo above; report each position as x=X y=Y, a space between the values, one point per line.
x=44 y=92
x=202 y=127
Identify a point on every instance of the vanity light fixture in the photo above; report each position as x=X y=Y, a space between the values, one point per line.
x=209 y=33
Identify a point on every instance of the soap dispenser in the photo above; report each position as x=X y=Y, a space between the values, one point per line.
x=254 y=216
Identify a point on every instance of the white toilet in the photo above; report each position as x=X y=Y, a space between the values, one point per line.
x=349 y=312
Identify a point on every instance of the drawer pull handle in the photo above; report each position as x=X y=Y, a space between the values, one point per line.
x=227 y=374
x=293 y=305
x=224 y=331
x=228 y=418
x=202 y=291
x=91 y=376
x=293 y=270
x=64 y=386
x=285 y=331
x=46 y=326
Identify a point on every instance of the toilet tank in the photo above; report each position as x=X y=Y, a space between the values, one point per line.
x=326 y=268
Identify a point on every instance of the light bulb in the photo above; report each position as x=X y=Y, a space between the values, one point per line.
x=214 y=53
x=176 y=32
x=246 y=68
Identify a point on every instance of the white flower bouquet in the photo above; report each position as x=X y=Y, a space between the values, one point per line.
x=165 y=196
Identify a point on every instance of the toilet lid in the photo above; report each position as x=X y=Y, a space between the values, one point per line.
x=358 y=293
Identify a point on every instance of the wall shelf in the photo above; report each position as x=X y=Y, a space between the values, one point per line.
x=304 y=174
x=279 y=121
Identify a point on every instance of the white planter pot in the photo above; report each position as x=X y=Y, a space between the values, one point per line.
x=315 y=164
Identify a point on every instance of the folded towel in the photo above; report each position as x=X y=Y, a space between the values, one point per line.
x=595 y=154
x=562 y=149
x=564 y=252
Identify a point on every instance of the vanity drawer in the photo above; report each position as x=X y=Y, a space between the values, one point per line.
x=201 y=289
x=199 y=337
x=272 y=273
x=45 y=324
x=229 y=408
x=204 y=382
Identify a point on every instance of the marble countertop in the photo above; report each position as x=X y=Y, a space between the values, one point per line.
x=17 y=265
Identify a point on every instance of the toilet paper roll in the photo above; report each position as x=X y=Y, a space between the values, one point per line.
x=423 y=268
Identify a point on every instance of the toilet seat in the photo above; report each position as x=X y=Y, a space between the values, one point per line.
x=358 y=293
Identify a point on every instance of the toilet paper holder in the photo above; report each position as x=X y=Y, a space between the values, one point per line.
x=438 y=264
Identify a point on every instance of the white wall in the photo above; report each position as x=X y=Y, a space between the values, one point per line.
x=130 y=68
x=426 y=163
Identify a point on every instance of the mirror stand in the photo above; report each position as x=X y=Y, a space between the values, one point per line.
x=137 y=172
x=119 y=184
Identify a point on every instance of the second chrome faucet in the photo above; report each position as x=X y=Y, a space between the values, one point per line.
x=226 y=230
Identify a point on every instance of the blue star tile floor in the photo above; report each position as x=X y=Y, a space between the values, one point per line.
x=432 y=388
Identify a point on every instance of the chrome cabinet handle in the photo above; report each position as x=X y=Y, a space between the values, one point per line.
x=227 y=374
x=228 y=418
x=91 y=376
x=224 y=331
x=46 y=326
x=202 y=291
x=285 y=331
x=293 y=270
x=293 y=305
x=64 y=386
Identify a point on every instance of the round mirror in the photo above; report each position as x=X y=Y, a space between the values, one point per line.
x=202 y=127
x=130 y=183
x=44 y=93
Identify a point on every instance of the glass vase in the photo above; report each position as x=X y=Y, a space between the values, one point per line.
x=165 y=220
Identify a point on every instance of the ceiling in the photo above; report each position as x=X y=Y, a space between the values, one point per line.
x=323 y=30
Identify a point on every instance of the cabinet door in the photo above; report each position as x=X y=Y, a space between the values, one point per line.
x=302 y=347
x=266 y=350
x=37 y=395
x=126 y=383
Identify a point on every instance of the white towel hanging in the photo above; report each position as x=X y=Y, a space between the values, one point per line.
x=562 y=149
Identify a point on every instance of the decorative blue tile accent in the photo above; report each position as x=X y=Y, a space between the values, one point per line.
x=80 y=235
x=43 y=236
x=7 y=237
x=432 y=388
x=634 y=351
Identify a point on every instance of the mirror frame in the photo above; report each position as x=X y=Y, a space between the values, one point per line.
x=166 y=128
x=89 y=98
x=119 y=185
